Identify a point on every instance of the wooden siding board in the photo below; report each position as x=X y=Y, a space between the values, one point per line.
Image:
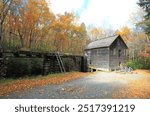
x=99 y=61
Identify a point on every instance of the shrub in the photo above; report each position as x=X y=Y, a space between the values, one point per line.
x=17 y=67
x=139 y=64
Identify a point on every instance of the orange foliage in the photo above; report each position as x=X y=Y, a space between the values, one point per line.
x=29 y=83
x=35 y=27
x=146 y=52
x=125 y=32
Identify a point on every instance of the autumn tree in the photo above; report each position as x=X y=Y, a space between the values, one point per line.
x=145 y=4
x=145 y=24
x=66 y=33
x=125 y=33
x=95 y=33
x=98 y=33
x=5 y=6
x=61 y=28
x=31 y=20
x=146 y=52
x=79 y=39
x=31 y=25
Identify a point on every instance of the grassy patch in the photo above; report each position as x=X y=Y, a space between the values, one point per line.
x=11 y=80
x=5 y=81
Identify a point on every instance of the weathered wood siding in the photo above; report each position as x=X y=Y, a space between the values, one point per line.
x=109 y=57
x=117 y=54
x=99 y=58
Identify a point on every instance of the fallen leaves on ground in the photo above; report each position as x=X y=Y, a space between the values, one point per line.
x=74 y=89
x=139 y=88
x=29 y=83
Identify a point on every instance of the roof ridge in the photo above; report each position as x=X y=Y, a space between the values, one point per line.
x=105 y=37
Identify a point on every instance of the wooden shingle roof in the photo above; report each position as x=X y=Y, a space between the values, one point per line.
x=104 y=42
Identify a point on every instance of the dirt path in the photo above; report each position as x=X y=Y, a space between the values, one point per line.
x=95 y=86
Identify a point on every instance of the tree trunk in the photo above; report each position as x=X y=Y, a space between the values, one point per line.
x=0 y=35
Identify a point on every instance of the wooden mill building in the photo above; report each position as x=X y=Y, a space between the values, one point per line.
x=107 y=53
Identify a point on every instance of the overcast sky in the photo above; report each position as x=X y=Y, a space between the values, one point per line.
x=101 y=13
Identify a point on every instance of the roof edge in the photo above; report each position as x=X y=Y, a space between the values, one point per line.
x=97 y=48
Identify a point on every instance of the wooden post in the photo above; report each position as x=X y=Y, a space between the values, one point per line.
x=84 y=65
x=109 y=59
x=3 y=67
x=45 y=70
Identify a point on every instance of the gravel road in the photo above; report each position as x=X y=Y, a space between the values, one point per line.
x=99 y=85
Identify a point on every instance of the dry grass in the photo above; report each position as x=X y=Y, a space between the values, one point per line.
x=22 y=84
